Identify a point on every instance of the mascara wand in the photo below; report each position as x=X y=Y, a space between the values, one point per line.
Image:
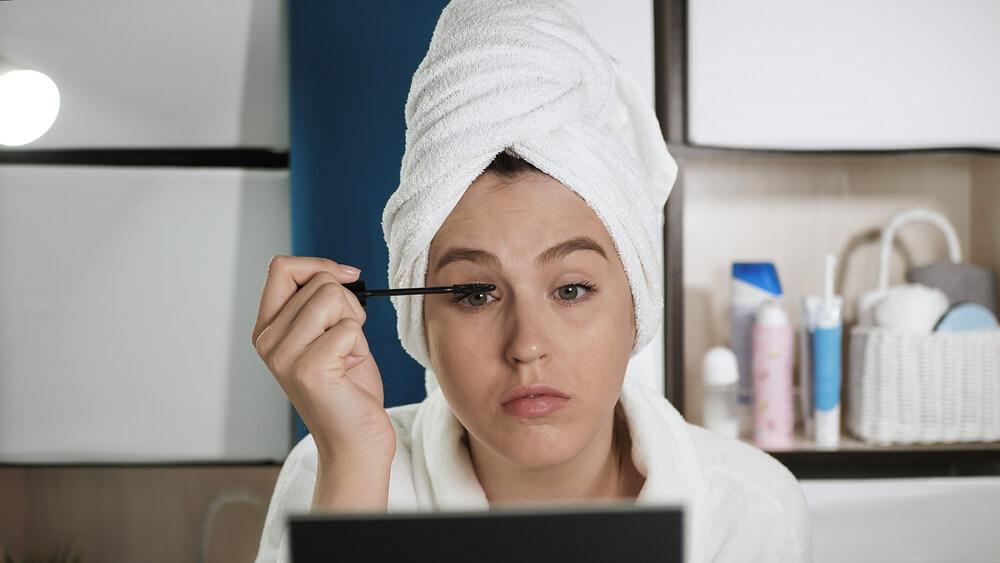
x=363 y=294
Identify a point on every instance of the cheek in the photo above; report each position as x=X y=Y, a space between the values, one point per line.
x=448 y=334
x=606 y=328
x=604 y=345
x=457 y=351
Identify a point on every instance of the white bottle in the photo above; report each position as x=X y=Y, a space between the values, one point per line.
x=721 y=376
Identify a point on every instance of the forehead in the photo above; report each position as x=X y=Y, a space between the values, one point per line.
x=528 y=208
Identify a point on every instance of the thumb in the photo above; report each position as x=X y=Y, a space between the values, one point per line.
x=352 y=360
x=358 y=350
x=348 y=343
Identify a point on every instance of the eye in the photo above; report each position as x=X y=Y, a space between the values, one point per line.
x=571 y=292
x=471 y=300
x=476 y=299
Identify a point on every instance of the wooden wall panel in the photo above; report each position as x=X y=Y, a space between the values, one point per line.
x=149 y=513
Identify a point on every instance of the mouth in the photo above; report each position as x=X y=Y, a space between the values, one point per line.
x=533 y=401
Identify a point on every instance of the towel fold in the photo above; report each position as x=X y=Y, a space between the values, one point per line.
x=525 y=76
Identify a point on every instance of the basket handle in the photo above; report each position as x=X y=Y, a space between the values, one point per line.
x=913 y=216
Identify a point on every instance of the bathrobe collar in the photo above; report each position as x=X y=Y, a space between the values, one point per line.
x=662 y=451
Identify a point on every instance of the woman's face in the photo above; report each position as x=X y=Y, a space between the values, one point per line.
x=542 y=324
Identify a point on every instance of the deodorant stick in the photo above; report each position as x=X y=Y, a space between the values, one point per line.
x=720 y=377
x=773 y=399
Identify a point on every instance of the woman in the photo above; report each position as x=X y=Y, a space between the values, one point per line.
x=547 y=183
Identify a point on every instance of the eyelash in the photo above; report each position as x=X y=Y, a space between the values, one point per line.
x=459 y=299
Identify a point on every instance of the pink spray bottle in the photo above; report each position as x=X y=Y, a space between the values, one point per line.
x=773 y=398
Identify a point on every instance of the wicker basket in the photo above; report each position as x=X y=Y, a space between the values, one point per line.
x=940 y=387
x=905 y=388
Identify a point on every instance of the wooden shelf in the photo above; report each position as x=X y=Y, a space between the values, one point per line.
x=854 y=458
x=849 y=443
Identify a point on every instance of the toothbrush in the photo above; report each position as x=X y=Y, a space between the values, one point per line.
x=363 y=294
x=826 y=356
x=831 y=265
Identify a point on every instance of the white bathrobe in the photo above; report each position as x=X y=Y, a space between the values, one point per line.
x=741 y=504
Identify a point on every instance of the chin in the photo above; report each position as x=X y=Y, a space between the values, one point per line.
x=538 y=449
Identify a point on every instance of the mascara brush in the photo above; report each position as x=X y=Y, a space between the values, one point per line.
x=363 y=294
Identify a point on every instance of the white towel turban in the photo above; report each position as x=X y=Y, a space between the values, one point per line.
x=524 y=76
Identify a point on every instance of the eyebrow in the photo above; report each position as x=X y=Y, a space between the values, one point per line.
x=552 y=254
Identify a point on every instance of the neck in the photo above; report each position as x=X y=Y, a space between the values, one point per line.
x=602 y=469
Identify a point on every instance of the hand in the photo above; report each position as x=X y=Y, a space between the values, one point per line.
x=309 y=333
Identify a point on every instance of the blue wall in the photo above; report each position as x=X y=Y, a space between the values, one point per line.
x=350 y=70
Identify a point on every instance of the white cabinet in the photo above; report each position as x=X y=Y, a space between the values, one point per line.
x=854 y=74
x=127 y=299
x=909 y=519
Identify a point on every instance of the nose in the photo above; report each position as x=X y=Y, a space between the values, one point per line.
x=528 y=333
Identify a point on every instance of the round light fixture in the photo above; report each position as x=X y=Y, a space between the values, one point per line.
x=29 y=104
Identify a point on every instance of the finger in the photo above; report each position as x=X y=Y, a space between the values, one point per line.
x=326 y=307
x=327 y=302
x=352 y=300
x=285 y=276
x=328 y=291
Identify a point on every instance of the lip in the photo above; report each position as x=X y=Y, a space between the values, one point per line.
x=522 y=391
x=542 y=405
x=518 y=401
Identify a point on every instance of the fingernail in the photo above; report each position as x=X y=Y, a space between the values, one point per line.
x=349 y=270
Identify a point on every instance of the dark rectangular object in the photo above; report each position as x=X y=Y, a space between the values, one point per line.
x=527 y=535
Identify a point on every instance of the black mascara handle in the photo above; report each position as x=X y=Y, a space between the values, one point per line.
x=358 y=288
